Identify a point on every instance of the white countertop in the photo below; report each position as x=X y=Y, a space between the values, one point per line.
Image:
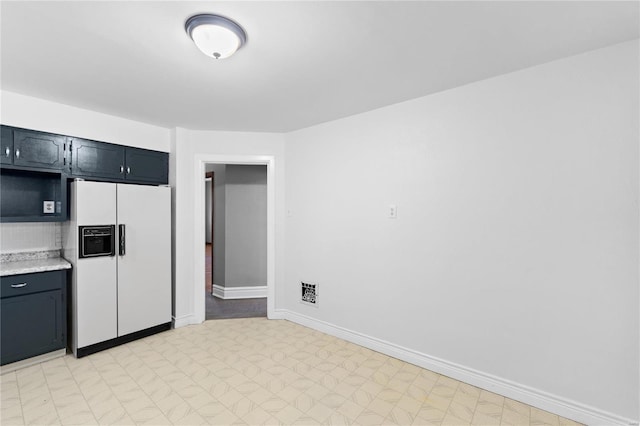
x=27 y=263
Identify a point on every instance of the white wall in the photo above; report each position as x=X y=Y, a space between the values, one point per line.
x=38 y=114
x=246 y=226
x=515 y=249
x=189 y=149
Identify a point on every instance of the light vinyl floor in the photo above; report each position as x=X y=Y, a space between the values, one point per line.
x=249 y=371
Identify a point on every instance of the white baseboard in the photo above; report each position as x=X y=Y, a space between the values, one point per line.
x=277 y=314
x=248 y=292
x=183 y=321
x=535 y=397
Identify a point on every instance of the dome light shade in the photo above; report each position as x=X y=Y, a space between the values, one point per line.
x=216 y=36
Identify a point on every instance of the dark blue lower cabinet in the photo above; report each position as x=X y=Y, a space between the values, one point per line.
x=32 y=316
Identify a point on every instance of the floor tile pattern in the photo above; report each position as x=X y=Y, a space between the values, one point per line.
x=249 y=371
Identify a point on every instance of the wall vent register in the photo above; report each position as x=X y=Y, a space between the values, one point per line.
x=309 y=293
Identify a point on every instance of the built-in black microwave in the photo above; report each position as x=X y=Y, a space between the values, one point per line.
x=97 y=241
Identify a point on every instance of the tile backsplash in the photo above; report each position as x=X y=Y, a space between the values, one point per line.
x=19 y=237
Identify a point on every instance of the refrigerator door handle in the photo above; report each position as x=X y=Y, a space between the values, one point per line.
x=112 y=240
x=122 y=245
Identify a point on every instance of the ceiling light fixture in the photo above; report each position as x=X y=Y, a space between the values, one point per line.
x=215 y=35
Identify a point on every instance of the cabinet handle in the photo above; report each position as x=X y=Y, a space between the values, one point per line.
x=121 y=169
x=17 y=153
x=18 y=285
x=128 y=170
x=7 y=152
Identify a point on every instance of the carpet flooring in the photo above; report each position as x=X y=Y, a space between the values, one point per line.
x=217 y=308
x=235 y=308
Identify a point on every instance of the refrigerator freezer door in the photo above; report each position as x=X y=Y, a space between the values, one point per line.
x=94 y=290
x=95 y=295
x=96 y=203
x=144 y=271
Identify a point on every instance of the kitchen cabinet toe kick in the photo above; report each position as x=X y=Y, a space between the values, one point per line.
x=8 y=368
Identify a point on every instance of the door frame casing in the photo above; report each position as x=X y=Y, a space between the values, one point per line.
x=199 y=222
x=210 y=175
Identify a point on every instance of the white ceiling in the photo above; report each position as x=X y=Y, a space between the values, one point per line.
x=305 y=62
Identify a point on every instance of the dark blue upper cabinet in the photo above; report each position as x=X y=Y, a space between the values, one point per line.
x=106 y=161
x=83 y=158
x=32 y=149
x=143 y=165
x=6 y=143
x=94 y=159
x=35 y=166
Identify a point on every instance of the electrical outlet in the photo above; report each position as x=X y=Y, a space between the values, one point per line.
x=392 y=212
x=48 y=207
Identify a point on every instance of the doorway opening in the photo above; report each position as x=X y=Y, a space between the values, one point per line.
x=198 y=233
x=235 y=241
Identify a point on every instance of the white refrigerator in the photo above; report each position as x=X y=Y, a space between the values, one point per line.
x=127 y=294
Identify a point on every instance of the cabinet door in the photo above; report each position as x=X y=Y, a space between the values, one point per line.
x=31 y=325
x=6 y=142
x=36 y=149
x=144 y=165
x=97 y=159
